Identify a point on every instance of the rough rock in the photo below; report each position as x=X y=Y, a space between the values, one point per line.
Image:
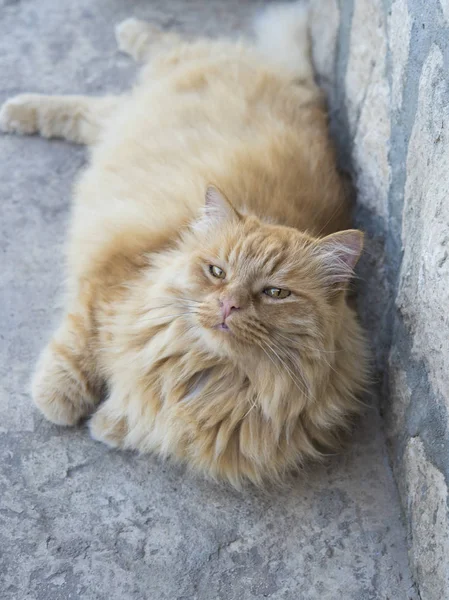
x=390 y=115
x=428 y=499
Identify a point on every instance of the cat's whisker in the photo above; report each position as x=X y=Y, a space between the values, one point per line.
x=153 y=308
x=174 y=299
x=295 y=360
x=272 y=360
x=172 y=305
x=289 y=373
x=298 y=384
x=319 y=350
x=253 y=404
x=327 y=363
x=332 y=216
x=297 y=344
x=162 y=317
x=160 y=306
x=214 y=390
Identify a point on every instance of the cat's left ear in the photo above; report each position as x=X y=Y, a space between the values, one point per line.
x=217 y=207
x=217 y=210
x=338 y=254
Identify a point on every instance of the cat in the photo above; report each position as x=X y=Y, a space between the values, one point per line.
x=209 y=257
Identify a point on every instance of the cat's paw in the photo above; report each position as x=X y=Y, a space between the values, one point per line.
x=57 y=392
x=134 y=36
x=19 y=115
x=105 y=427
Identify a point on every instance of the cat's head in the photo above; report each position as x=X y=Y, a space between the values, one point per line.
x=265 y=288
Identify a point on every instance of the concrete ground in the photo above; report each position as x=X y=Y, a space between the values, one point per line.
x=80 y=521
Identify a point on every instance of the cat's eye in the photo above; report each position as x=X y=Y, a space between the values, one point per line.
x=276 y=293
x=217 y=272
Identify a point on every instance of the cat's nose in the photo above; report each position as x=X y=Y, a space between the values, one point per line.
x=228 y=305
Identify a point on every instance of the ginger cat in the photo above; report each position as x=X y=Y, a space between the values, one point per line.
x=208 y=264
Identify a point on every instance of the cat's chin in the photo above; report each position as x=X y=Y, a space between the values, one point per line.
x=220 y=340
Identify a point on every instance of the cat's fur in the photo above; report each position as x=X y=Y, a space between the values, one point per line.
x=279 y=386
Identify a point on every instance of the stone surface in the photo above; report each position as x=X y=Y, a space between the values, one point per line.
x=445 y=9
x=368 y=104
x=428 y=500
x=390 y=113
x=399 y=31
x=80 y=521
x=422 y=301
x=423 y=297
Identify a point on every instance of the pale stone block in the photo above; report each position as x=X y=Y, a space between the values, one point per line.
x=445 y=8
x=429 y=523
x=368 y=104
x=399 y=30
x=423 y=297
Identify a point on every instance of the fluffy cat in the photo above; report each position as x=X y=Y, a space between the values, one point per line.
x=208 y=262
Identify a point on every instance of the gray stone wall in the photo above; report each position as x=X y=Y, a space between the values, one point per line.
x=385 y=67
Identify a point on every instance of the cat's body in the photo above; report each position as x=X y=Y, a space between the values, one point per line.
x=169 y=306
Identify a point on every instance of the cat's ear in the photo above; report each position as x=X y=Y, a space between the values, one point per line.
x=217 y=207
x=217 y=210
x=338 y=254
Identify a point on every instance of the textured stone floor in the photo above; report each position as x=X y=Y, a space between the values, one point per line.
x=80 y=521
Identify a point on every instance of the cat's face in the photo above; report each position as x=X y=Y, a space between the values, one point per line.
x=257 y=285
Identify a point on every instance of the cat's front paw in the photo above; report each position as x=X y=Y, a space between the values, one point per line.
x=107 y=428
x=19 y=115
x=57 y=390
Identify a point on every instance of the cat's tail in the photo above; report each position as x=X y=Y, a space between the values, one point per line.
x=282 y=34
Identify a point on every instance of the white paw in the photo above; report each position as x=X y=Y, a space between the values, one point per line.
x=18 y=115
x=105 y=428
x=132 y=35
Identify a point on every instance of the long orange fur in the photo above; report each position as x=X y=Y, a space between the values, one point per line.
x=221 y=120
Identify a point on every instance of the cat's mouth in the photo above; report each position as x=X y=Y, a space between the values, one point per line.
x=222 y=327
x=214 y=322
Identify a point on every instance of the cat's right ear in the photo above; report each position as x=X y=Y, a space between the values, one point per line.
x=217 y=210
x=338 y=254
